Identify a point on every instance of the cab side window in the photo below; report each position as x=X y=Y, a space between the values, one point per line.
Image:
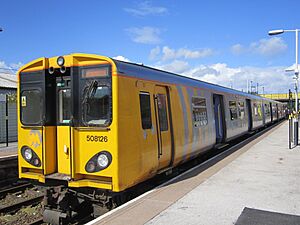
x=145 y=107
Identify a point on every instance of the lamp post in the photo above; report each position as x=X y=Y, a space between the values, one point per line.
x=276 y=32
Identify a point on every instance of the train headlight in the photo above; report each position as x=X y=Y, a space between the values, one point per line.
x=28 y=154
x=36 y=162
x=60 y=61
x=98 y=162
x=102 y=160
x=90 y=166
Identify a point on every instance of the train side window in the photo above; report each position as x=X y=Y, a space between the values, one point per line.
x=241 y=107
x=199 y=111
x=233 y=110
x=145 y=110
x=162 y=112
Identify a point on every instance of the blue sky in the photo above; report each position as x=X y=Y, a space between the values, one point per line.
x=223 y=42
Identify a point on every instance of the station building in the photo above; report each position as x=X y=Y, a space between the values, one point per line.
x=8 y=93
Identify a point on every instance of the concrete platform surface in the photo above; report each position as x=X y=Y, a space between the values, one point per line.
x=11 y=150
x=263 y=175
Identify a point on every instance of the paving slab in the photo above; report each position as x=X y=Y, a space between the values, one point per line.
x=10 y=150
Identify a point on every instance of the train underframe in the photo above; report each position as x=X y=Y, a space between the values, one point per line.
x=62 y=204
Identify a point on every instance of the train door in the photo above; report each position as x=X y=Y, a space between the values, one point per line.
x=63 y=100
x=219 y=118
x=272 y=113
x=164 y=137
x=249 y=111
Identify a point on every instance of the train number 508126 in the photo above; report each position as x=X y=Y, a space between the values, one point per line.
x=96 y=138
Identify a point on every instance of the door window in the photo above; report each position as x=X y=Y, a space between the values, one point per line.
x=162 y=112
x=241 y=110
x=233 y=110
x=64 y=98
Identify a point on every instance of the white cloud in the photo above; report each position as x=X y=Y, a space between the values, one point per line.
x=145 y=35
x=269 y=47
x=237 y=49
x=176 y=66
x=121 y=58
x=9 y=69
x=169 y=53
x=145 y=8
x=222 y=74
x=265 y=47
x=154 y=53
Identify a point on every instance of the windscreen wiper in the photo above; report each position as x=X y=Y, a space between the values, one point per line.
x=90 y=90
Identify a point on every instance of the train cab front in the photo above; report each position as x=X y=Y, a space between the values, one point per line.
x=66 y=131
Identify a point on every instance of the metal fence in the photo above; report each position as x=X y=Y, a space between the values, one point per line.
x=8 y=119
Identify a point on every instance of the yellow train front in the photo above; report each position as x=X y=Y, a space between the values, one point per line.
x=79 y=131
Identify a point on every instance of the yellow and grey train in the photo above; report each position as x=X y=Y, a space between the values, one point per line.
x=91 y=127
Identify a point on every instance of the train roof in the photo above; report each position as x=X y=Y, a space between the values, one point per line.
x=148 y=73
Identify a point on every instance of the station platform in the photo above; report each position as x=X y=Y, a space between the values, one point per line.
x=257 y=184
x=8 y=151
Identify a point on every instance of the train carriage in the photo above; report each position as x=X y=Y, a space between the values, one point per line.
x=96 y=127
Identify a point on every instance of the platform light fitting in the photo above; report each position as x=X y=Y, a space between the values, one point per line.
x=275 y=32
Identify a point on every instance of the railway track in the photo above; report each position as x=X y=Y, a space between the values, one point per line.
x=17 y=206
x=14 y=189
x=20 y=203
x=36 y=222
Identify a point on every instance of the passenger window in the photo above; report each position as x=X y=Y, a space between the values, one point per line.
x=241 y=106
x=233 y=110
x=162 y=112
x=199 y=111
x=145 y=110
